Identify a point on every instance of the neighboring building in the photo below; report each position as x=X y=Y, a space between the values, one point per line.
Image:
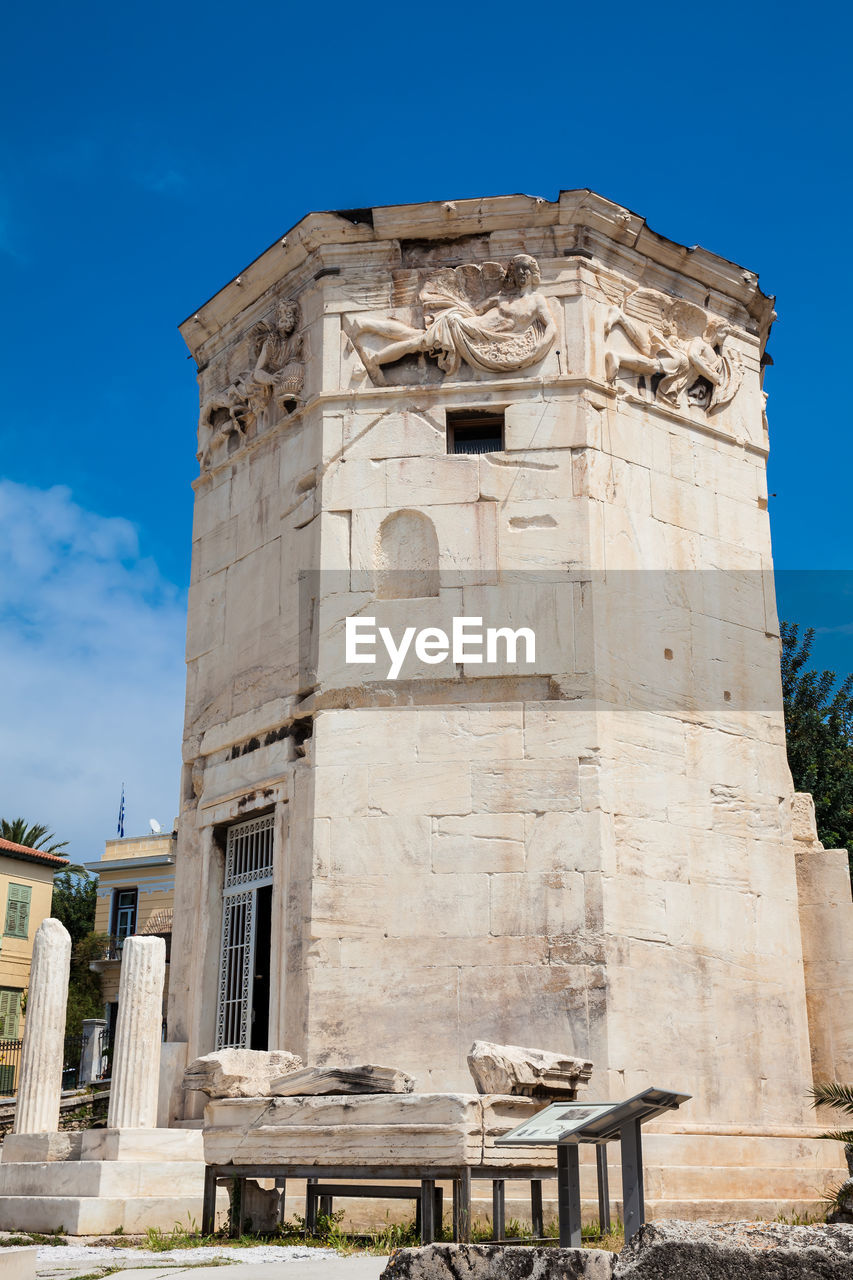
x=512 y=410
x=26 y=893
x=136 y=881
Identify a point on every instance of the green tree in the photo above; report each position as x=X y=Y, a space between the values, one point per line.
x=35 y=835
x=819 y=733
x=833 y=1094
x=84 y=987
x=74 y=900
x=75 y=894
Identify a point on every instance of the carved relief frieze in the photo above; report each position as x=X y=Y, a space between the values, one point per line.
x=275 y=378
x=681 y=352
x=491 y=318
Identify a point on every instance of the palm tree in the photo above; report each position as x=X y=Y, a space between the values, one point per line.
x=35 y=836
x=840 y=1096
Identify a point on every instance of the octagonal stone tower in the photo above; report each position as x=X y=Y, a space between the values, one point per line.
x=534 y=414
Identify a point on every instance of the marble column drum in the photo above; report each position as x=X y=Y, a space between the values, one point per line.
x=136 y=1059
x=40 y=1083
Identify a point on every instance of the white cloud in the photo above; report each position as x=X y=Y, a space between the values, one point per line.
x=91 y=672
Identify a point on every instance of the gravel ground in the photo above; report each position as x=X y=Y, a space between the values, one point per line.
x=65 y=1262
x=53 y=1259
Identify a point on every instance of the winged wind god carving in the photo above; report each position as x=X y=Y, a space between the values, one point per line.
x=677 y=346
x=493 y=319
x=277 y=374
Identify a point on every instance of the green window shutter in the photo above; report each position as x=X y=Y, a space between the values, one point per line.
x=10 y=1012
x=18 y=910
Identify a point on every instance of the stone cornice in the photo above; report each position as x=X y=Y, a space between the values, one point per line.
x=584 y=212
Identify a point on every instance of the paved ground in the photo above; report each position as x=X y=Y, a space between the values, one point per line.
x=291 y=1263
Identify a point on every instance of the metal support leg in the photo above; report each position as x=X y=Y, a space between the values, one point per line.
x=310 y=1207
x=208 y=1204
x=462 y=1206
x=603 y=1188
x=281 y=1188
x=235 y=1226
x=634 y=1210
x=536 y=1218
x=325 y=1206
x=498 y=1208
x=427 y=1210
x=439 y=1212
x=569 y=1195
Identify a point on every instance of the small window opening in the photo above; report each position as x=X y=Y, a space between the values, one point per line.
x=475 y=431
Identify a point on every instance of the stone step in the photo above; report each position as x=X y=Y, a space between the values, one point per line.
x=101 y=1215
x=97 y=1177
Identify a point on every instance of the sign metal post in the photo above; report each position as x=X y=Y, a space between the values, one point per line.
x=566 y=1124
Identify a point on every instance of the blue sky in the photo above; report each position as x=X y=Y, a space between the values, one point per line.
x=150 y=152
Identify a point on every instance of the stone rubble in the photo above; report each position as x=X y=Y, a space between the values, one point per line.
x=666 y=1250
x=498 y=1262
x=737 y=1251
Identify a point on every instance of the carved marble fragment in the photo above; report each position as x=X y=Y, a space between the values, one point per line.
x=494 y=319
x=318 y=1081
x=510 y=1069
x=239 y=1073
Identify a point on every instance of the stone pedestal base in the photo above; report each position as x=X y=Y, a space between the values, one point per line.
x=94 y=1182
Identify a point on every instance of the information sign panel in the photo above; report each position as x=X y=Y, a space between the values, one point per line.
x=590 y=1121
x=556 y=1122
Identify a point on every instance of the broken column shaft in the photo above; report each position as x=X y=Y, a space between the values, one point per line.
x=136 y=1058
x=42 y=1053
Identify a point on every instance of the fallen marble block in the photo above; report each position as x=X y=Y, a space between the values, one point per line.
x=531 y=1073
x=239 y=1073
x=319 y=1081
x=737 y=1251
x=498 y=1262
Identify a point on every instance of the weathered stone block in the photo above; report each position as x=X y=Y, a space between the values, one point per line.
x=737 y=1251
x=498 y=1262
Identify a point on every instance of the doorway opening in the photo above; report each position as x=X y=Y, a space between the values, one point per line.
x=243 y=1014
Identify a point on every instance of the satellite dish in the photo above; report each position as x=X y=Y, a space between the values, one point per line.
x=155 y=826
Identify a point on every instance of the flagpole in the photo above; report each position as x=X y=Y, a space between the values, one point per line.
x=120 y=825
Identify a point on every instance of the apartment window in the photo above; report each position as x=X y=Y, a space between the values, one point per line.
x=10 y=1012
x=18 y=911
x=475 y=431
x=124 y=915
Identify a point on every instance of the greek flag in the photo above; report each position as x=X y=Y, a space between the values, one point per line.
x=120 y=827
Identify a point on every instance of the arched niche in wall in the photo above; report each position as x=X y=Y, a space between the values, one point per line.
x=406 y=557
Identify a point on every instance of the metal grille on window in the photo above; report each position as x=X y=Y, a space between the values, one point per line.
x=248 y=866
x=248 y=857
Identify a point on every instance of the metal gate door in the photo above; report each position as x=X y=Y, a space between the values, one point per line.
x=248 y=866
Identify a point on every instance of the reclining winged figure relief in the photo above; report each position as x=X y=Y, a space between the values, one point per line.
x=676 y=341
x=492 y=318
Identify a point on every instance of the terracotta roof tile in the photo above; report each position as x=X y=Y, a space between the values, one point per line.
x=26 y=854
